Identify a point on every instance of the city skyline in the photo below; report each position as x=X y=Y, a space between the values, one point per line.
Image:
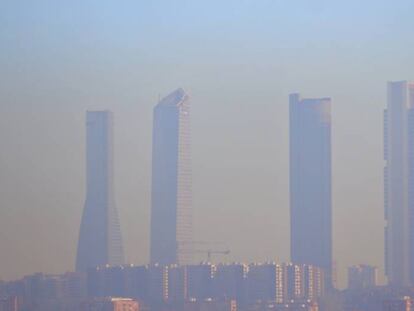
x=239 y=60
x=100 y=123
x=309 y=124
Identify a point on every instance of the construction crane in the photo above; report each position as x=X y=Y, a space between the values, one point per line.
x=208 y=251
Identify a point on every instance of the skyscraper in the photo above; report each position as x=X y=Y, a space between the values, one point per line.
x=310 y=183
x=100 y=240
x=399 y=183
x=171 y=210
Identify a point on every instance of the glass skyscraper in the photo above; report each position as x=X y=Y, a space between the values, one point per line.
x=100 y=240
x=399 y=183
x=171 y=210
x=310 y=183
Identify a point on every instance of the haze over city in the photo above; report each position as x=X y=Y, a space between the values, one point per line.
x=239 y=61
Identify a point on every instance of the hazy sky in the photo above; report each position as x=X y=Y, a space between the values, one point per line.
x=238 y=60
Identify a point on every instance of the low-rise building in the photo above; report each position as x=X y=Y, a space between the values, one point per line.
x=110 y=304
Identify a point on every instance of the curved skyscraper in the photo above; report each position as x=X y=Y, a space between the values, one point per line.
x=310 y=183
x=100 y=240
x=171 y=210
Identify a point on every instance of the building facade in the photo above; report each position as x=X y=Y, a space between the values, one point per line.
x=10 y=304
x=402 y=304
x=171 y=210
x=231 y=282
x=399 y=183
x=100 y=240
x=201 y=281
x=362 y=276
x=266 y=282
x=310 y=183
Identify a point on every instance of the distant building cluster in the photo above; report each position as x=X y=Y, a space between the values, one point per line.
x=100 y=239
x=158 y=287
x=109 y=304
x=380 y=298
x=45 y=292
x=171 y=242
x=172 y=282
x=244 y=283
